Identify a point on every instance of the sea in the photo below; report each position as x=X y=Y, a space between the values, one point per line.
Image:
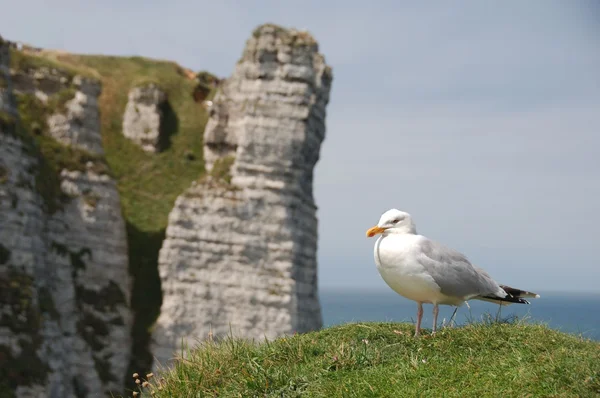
x=575 y=313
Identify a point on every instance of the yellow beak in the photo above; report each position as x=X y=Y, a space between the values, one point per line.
x=374 y=231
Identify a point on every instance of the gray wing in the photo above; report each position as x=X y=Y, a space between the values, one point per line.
x=453 y=272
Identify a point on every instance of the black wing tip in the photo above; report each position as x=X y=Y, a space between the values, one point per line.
x=508 y=299
x=518 y=292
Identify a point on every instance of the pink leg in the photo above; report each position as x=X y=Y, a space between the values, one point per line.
x=435 y=316
x=419 y=317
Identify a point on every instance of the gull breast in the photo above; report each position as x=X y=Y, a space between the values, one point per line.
x=399 y=268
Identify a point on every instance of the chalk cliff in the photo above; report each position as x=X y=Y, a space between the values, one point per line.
x=82 y=259
x=65 y=322
x=241 y=243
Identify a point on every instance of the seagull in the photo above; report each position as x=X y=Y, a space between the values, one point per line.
x=426 y=271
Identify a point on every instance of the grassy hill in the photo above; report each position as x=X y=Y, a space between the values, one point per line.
x=384 y=360
x=148 y=184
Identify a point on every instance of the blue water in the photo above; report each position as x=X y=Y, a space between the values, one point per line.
x=577 y=313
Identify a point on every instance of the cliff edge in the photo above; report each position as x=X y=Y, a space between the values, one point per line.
x=240 y=248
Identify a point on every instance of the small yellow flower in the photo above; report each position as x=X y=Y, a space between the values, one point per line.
x=145 y=384
x=137 y=381
x=135 y=375
x=149 y=375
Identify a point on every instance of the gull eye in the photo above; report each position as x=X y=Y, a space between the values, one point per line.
x=396 y=221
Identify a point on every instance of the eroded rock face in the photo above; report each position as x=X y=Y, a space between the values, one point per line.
x=242 y=254
x=143 y=121
x=72 y=102
x=23 y=304
x=21 y=334
x=78 y=124
x=65 y=321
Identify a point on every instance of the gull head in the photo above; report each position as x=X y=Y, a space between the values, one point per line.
x=393 y=221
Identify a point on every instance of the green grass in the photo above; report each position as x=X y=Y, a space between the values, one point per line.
x=25 y=61
x=148 y=183
x=221 y=169
x=206 y=78
x=385 y=360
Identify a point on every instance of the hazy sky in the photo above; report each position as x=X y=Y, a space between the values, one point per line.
x=481 y=120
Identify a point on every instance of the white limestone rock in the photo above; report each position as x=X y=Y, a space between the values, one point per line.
x=21 y=251
x=87 y=257
x=242 y=255
x=76 y=120
x=143 y=118
x=79 y=124
x=65 y=317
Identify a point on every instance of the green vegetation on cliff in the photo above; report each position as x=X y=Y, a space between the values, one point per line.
x=26 y=60
x=385 y=360
x=148 y=183
x=221 y=169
